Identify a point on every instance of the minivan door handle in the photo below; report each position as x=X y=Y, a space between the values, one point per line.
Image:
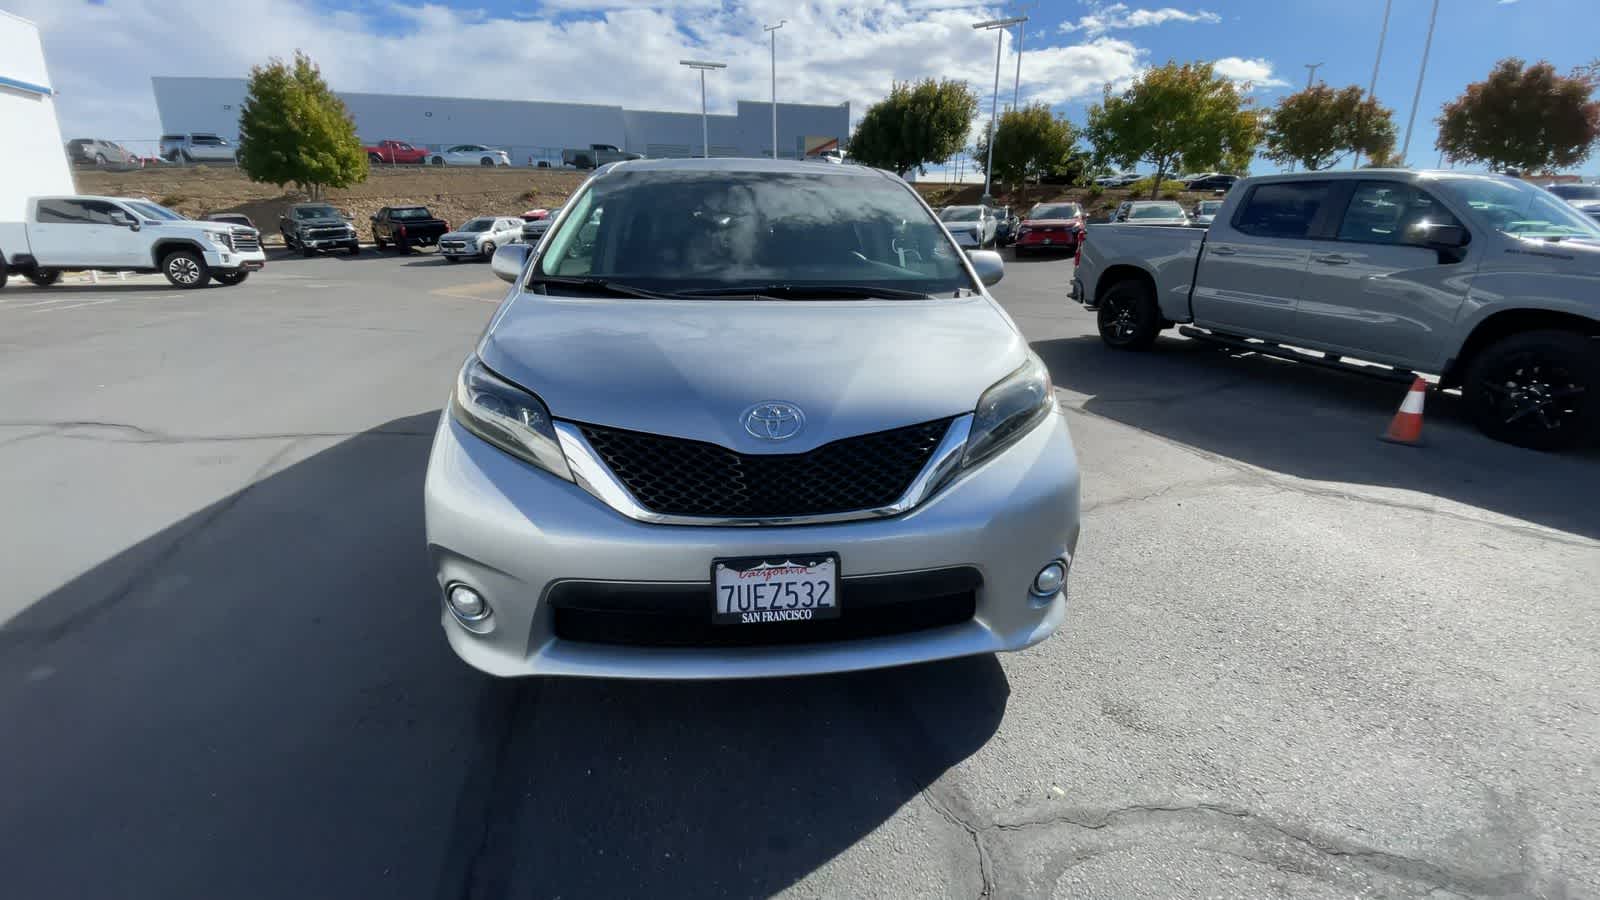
x=1332 y=259
x=1223 y=250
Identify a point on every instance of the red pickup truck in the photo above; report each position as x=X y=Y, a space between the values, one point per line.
x=396 y=153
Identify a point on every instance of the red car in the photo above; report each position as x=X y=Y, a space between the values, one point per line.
x=396 y=153
x=1050 y=226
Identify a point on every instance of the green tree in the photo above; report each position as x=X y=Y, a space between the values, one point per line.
x=1527 y=118
x=915 y=125
x=1318 y=126
x=1029 y=143
x=292 y=129
x=1172 y=113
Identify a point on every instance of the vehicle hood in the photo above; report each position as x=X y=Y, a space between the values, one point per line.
x=692 y=368
x=468 y=236
x=1051 y=223
x=321 y=223
x=1164 y=221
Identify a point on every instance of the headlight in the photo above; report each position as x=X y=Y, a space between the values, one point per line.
x=507 y=417
x=1009 y=409
x=220 y=237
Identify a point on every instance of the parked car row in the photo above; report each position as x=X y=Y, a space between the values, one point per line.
x=1193 y=181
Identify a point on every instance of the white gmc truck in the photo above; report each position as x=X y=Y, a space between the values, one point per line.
x=1489 y=282
x=114 y=234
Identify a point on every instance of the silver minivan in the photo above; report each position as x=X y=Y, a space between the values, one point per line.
x=748 y=418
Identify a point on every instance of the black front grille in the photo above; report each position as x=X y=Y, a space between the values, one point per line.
x=679 y=615
x=674 y=476
x=330 y=233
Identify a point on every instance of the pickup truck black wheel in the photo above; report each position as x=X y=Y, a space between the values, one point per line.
x=186 y=269
x=44 y=277
x=1128 y=317
x=1538 y=389
x=3 y=273
x=377 y=241
x=230 y=278
x=307 y=252
x=353 y=248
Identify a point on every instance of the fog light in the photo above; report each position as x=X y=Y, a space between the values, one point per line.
x=467 y=604
x=1050 y=579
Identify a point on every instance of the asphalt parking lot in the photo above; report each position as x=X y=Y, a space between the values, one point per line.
x=1299 y=662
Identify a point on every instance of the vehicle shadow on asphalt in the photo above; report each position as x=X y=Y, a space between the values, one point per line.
x=107 y=285
x=1313 y=423
x=257 y=701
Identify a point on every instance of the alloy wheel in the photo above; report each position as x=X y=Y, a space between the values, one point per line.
x=183 y=270
x=1532 y=393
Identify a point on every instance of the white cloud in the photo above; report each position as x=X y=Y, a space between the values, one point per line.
x=102 y=56
x=1257 y=73
x=1118 y=16
x=1505 y=2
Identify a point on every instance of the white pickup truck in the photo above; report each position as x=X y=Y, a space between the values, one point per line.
x=1489 y=282
x=113 y=234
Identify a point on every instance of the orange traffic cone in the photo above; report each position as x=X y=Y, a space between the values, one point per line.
x=1406 y=426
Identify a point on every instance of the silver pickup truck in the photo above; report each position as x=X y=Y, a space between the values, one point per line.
x=1489 y=282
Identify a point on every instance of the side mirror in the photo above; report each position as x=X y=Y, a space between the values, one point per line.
x=509 y=260
x=1441 y=237
x=987 y=263
x=123 y=220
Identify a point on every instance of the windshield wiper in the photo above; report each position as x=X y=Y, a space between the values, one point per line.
x=806 y=292
x=601 y=286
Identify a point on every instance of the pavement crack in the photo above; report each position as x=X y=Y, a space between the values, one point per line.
x=1399 y=865
x=203 y=522
x=985 y=871
x=1186 y=487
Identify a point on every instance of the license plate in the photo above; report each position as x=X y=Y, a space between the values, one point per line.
x=1047 y=240
x=759 y=590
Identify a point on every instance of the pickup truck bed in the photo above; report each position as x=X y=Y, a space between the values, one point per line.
x=1488 y=282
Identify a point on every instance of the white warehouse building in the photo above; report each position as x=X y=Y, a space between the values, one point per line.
x=531 y=131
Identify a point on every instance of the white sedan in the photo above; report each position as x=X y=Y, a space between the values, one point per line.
x=470 y=155
x=480 y=237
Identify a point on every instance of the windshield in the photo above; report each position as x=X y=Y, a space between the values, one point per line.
x=478 y=225
x=1576 y=191
x=1518 y=208
x=1157 y=211
x=154 y=211
x=1208 y=207
x=671 y=231
x=410 y=212
x=316 y=212
x=959 y=214
x=1056 y=211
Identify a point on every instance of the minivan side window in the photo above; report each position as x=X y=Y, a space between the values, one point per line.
x=1283 y=209
x=1387 y=212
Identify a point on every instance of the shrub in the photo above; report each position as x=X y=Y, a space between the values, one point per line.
x=172 y=200
x=1095 y=190
x=1141 y=189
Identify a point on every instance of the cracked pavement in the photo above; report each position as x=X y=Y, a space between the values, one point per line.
x=1298 y=662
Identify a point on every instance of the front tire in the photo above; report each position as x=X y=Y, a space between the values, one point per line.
x=353 y=249
x=100 y=160
x=375 y=159
x=44 y=277
x=487 y=250
x=230 y=278
x=307 y=252
x=1537 y=389
x=438 y=160
x=1127 y=316
x=486 y=161
x=186 y=269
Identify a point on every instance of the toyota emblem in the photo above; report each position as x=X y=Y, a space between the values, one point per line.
x=774 y=420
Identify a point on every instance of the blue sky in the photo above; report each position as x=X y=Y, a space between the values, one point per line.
x=617 y=51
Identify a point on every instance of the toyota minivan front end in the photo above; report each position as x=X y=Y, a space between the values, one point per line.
x=746 y=418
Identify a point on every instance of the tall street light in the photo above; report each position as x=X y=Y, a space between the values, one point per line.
x=1421 y=73
x=998 y=26
x=1016 y=84
x=702 y=67
x=1311 y=72
x=773 y=30
x=1372 y=86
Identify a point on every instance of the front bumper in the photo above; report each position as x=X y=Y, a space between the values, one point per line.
x=513 y=532
x=458 y=248
x=228 y=260
x=1034 y=241
x=323 y=243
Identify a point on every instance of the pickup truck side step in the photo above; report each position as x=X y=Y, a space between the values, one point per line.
x=1326 y=361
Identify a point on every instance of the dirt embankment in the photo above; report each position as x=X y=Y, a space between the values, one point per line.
x=454 y=195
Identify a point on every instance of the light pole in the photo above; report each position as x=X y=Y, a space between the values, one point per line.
x=1421 y=73
x=1311 y=72
x=1372 y=86
x=998 y=26
x=702 y=67
x=773 y=30
x=1016 y=84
